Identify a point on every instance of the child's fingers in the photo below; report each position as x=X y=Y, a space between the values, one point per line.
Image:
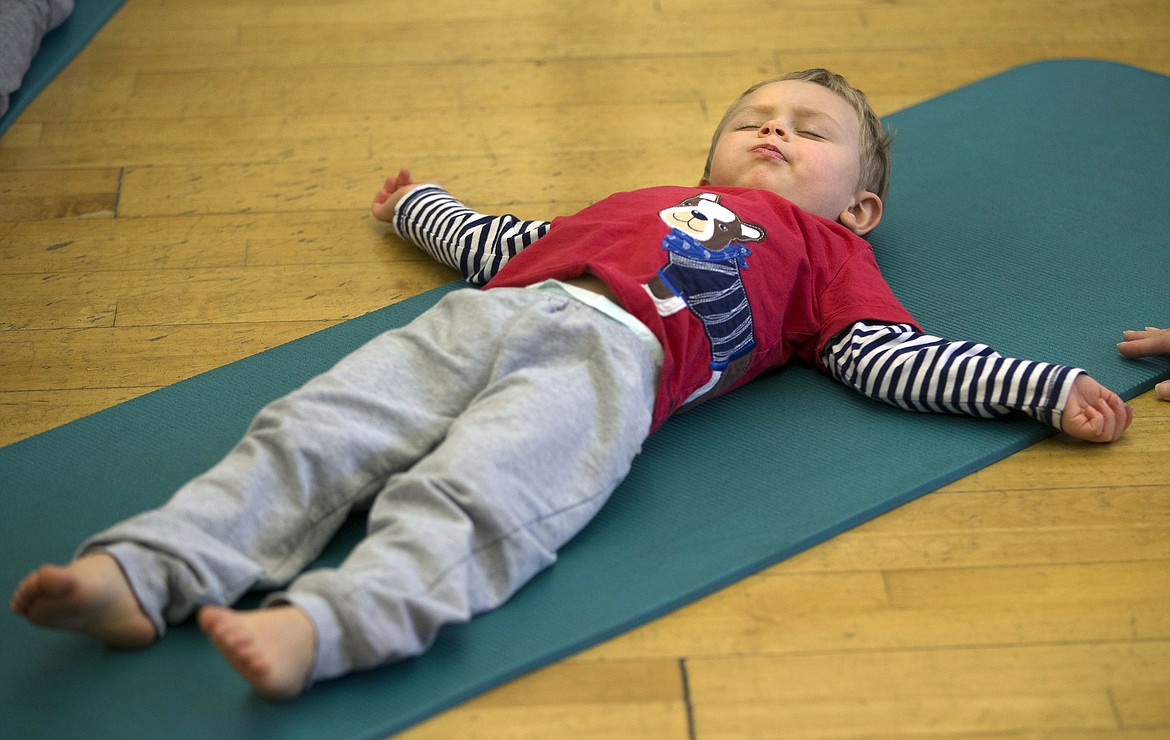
x=1115 y=418
x=1103 y=420
x=1100 y=426
x=379 y=208
x=1086 y=424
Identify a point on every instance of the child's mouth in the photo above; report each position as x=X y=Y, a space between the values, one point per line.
x=769 y=151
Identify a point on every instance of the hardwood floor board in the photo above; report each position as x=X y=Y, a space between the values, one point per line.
x=281 y=293
x=191 y=242
x=449 y=88
x=1061 y=463
x=50 y=378
x=585 y=32
x=358 y=37
x=77 y=90
x=796 y=614
x=20 y=134
x=132 y=357
x=593 y=700
x=188 y=243
x=322 y=292
x=211 y=38
x=1051 y=586
x=156 y=13
x=927 y=692
x=116 y=245
x=26 y=413
x=1051 y=509
x=56 y=301
x=46 y=194
x=569 y=178
x=129 y=142
x=246 y=188
x=1144 y=701
x=895 y=549
x=312 y=138
x=1009 y=527
x=988 y=715
x=509 y=86
x=664 y=720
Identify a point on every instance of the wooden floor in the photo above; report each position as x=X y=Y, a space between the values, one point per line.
x=194 y=189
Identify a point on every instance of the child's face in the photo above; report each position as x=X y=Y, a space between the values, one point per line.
x=799 y=140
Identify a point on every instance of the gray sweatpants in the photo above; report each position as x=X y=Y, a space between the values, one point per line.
x=482 y=437
x=23 y=23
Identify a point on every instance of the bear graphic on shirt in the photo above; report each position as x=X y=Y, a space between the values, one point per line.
x=706 y=251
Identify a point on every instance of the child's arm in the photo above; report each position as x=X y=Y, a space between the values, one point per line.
x=919 y=372
x=429 y=217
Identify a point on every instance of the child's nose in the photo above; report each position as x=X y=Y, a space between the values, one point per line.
x=772 y=127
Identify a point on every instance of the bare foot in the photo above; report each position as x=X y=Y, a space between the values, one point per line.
x=273 y=648
x=90 y=595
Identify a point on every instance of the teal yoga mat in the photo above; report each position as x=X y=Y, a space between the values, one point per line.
x=58 y=48
x=1026 y=211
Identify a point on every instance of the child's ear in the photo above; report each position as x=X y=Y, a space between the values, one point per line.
x=863 y=215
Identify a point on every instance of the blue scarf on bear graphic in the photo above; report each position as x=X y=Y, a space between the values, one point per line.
x=681 y=243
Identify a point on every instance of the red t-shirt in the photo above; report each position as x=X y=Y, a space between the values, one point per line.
x=732 y=281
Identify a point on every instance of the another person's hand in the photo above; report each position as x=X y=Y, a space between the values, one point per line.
x=1094 y=413
x=386 y=199
x=1150 y=341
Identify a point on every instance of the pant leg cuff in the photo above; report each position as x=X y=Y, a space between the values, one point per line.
x=147 y=583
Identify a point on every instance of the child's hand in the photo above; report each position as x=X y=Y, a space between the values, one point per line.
x=388 y=196
x=1094 y=413
x=1151 y=341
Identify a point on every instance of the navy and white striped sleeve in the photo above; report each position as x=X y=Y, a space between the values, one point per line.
x=915 y=371
x=475 y=244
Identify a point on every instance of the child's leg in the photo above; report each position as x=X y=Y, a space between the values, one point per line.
x=268 y=508
x=519 y=473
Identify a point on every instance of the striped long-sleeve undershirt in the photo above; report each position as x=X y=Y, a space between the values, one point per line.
x=454 y=235
x=892 y=363
x=918 y=372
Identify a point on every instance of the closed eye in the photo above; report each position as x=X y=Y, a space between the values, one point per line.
x=812 y=134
